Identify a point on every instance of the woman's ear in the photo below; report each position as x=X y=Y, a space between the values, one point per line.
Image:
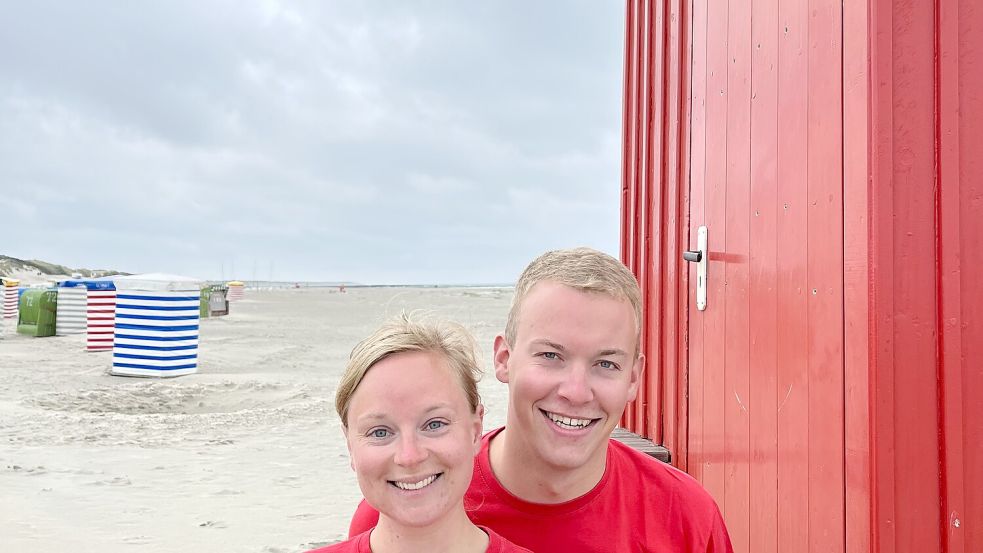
x=348 y=444
x=479 y=417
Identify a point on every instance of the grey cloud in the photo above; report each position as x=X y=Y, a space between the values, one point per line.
x=372 y=141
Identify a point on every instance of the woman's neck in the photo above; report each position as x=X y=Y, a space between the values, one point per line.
x=453 y=533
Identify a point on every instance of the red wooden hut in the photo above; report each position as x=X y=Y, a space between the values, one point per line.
x=829 y=391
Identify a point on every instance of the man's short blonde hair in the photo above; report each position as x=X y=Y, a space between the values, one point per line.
x=583 y=269
x=450 y=341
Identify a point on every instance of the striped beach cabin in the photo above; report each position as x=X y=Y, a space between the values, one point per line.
x=237 y=290
x=10 y=297
x=156 y=322
x=71 y=315
x=100 y=310
x=75 y=315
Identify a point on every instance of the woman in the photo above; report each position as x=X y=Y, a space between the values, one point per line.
x=410 y=411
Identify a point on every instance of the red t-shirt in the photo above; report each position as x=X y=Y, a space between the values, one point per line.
x=360 y=544
x=640 y=504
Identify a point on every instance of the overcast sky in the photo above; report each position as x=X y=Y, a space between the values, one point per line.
x=368 y=141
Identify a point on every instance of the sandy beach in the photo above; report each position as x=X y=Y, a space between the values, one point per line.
x=246 y=455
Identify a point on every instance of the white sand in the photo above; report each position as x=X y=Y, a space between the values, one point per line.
x=247 y=455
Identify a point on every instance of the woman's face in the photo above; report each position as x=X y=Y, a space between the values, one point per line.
x=412 y=438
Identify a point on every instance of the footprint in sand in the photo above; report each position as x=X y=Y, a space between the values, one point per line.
x=288 y=481
x=116 y=481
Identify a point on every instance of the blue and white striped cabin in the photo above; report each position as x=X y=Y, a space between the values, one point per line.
x=156 y=331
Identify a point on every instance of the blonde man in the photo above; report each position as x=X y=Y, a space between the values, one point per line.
x=552 y=479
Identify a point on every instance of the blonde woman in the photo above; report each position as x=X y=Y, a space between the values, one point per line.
x=411 y=415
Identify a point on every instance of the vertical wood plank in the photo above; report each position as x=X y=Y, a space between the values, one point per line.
x=825 y=274
x=856 y=276
x=682 y=289
x=737 y=405
x=948 y=278
x=652 y=268
x=715 y=397
x=884 y=524
x=916 y=415
x=970 y=176
x=763 y=366
x=628 y=149
x=793 y=384
x=667 y=419
x=697 y=428
x=641 y=131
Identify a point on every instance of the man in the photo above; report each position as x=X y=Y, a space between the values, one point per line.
x=552 y=480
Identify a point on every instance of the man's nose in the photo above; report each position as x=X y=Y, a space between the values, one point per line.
x=409 y=450
x=575 y=386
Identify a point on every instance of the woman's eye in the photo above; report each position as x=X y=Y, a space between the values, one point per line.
x=435 y=425
x=379 y=433
x=550 y=355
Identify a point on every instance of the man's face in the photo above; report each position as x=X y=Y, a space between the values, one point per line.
x=570 y=373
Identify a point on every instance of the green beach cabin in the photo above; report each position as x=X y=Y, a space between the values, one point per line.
x=38 y=313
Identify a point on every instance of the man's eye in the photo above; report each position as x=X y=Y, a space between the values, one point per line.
x=607 y=365
x=550 y=355
x=436 y=425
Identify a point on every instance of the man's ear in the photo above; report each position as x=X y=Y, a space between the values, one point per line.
x=501 y=358
x=635 y=376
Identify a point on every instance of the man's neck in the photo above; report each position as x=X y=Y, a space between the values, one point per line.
x=454 y=533
x=528 y=478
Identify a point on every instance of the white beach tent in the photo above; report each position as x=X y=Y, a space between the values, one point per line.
x=157 y=317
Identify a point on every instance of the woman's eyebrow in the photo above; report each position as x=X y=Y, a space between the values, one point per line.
x=382 y=416
x=372 y=416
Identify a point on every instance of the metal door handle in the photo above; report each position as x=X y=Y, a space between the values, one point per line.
x=699 y=256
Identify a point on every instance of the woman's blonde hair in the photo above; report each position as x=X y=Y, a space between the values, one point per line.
x=450 y=340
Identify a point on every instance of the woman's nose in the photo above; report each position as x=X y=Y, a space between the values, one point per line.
x=409 y=451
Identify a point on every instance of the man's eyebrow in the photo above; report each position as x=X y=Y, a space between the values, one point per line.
x=547 y=343
x=560 y=348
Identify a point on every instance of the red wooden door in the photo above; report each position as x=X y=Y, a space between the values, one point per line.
x=766 y=382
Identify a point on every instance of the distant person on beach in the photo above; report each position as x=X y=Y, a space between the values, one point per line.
x=552 y=480
x=410 y=411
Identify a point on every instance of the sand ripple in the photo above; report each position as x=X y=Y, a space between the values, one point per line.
x=156 y=397
x=159 y=413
